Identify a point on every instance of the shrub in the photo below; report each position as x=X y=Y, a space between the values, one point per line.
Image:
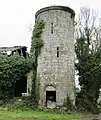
x=12 y=69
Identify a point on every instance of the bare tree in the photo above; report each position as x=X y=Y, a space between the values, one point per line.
x=87 y=25
x=88 y=55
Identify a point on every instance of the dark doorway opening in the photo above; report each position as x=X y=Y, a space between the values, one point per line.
x=20 y=87
x=51 y=96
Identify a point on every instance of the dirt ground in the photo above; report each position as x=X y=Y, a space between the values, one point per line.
x=88 y=118
x=94 y=117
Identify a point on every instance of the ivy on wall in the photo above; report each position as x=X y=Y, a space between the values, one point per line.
x=37 y=42
x=36 y=45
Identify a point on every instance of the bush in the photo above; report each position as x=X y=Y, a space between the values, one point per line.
x=68 y=104
x=16 y=104
x=84 y=104
x=12 y=69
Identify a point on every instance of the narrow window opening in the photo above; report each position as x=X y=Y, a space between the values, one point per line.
x=57 y=52
x=52 y=28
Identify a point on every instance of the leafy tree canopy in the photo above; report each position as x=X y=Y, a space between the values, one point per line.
x=12 y=69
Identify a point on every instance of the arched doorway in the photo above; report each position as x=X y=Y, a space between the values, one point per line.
x=50 y=97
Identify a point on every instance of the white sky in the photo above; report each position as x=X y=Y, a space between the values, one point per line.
x=17 y=17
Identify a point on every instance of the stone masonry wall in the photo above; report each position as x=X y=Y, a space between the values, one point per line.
x=53 y=70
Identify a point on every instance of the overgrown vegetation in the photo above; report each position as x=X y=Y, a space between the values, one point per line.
x=12 y=69
x=36 y=45
x=88 y=65
x=38 y=115
x=68 y=104
x=15 y=67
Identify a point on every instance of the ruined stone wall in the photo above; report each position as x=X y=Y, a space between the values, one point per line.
x=29 y=82
x=52 y=70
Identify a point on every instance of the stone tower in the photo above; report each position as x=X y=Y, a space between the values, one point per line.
x=56 y=61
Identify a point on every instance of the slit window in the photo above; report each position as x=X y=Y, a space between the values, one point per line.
x=52 y=28
x=57 y=52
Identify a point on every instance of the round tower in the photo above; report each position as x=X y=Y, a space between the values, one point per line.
x=56 y=61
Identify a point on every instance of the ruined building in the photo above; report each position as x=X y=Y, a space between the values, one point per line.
x=56 y=61
x=20 y=85
x=10 y=51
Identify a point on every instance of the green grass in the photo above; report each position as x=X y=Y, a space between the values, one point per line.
x=38 y=115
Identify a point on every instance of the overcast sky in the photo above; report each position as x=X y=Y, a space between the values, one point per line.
x=17 y=17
